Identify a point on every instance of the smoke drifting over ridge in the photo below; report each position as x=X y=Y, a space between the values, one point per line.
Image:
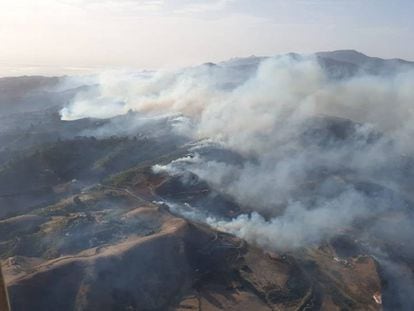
x=313 y=145
x=317 y=146
x=221 y=99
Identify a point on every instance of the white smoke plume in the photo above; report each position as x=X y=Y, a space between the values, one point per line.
x=297 y=184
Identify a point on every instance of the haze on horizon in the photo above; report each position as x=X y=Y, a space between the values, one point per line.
x=53 y=37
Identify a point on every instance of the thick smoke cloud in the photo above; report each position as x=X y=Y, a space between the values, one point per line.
x=308 y=170
x=266 y=115
x=316 y=155
x=245 y=108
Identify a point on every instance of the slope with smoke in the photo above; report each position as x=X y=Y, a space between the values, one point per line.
x=312 y=150
x=312 y=145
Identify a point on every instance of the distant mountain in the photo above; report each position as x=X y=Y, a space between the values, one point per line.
x=345 y=63
x=338 y=64
x=360 y=59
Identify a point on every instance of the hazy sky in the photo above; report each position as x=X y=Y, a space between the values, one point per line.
x=64 y=36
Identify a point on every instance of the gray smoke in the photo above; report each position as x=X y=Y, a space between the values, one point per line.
x=281 y=115
x=319 y=153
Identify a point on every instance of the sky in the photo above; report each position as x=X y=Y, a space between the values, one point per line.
x=54 y=37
